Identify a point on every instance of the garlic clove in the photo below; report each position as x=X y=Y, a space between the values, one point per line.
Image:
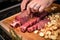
x=53 y=37
x=36 y=31
x=54 y=27
x=41 y=34
x=48 y=32
x=46 y=37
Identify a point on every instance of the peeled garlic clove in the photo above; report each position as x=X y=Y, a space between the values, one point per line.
x=50 y=25
x=50 y=18
x=41 y=34
x=54 y=27
x=58 y=31
x=36 y=31
x=48 y=32
x=46 y=37
x=42 y=30
x=47 y=29
x=53 y=8
x=51 y=28
x=57 y=16
x=53 y=21
x=56 y=34
x=53 y=37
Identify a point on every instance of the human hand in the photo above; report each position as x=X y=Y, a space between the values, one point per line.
x=23 y=4
x=39 y=5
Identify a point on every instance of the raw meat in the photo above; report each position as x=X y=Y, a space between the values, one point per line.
x=38 y=25
x=29 y=23
x=20 y=19
x=23 y=20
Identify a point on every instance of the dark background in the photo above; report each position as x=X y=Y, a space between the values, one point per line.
x=3 y=5
x=7 y=3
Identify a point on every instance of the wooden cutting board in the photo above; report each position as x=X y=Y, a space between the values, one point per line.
x=28 y=36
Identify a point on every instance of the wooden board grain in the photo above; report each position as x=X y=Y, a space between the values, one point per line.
x=28 y=36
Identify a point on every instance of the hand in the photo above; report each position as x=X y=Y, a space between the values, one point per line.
x=23 y=4
x=39 y=5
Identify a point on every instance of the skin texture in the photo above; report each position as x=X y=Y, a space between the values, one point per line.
x=23 y=4
x=36 y=5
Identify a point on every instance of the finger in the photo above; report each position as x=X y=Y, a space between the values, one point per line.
x=28 y=6
x=33 y=5
x=23 y=4
x=22 y=7
x=41 y=8
x=37 y=7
